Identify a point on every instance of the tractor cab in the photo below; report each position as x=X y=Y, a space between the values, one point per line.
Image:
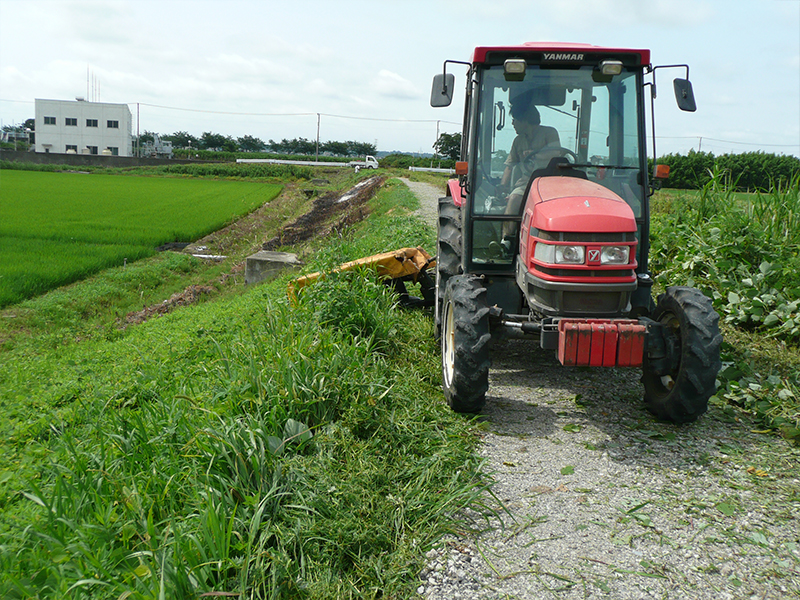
x=549 y=110
x=546 y=231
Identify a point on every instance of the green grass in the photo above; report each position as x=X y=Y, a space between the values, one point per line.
x=743 y=252
x=240 y=446
x=56 y=228
x=244 y=446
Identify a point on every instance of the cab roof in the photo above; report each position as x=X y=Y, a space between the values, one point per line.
x=553 y=52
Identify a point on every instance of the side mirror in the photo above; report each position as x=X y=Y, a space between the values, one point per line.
x=684 y=95
x=442 y=90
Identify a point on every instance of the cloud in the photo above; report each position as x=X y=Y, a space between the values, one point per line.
x=320 y=88
x=393 y=85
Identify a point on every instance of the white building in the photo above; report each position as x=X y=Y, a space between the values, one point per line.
x=80 y=127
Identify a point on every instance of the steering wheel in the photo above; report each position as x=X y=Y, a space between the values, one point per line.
x=528 y=160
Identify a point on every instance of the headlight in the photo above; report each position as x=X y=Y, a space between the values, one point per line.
x=615 y=255
x=571 y=255
x=559 y=255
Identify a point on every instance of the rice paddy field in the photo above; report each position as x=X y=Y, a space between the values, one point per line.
x=57 y=228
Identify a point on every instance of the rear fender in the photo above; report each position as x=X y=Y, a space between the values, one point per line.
x=456 y=192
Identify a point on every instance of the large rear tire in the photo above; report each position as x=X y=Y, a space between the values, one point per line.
x=448 y=251
x=465 y=344
x=691 y=327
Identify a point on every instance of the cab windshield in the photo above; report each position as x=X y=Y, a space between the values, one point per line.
x=592 y=123
x=572 y=115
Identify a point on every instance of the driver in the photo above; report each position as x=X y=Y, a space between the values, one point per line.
x=532 y=149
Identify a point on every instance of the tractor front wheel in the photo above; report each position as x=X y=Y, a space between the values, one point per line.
x=465 y=344
x=448 y=252
x=691 y=330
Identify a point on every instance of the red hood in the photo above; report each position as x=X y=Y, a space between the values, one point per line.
x=570 y=204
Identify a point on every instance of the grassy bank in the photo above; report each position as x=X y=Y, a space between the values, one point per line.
x=240 y=446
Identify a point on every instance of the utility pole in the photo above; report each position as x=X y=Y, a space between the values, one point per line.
x=317 y=137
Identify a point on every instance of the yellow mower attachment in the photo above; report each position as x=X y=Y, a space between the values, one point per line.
x=397 y=267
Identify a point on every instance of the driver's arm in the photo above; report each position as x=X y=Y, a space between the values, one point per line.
x=512 y=160
x=506 y=177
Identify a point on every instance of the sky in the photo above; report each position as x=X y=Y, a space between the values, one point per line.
x=357 y=70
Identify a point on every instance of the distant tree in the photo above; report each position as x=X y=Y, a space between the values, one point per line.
x=362 y=149
x=290 y=146
x=449 y=145
x=146 y=136
x=250 y=144
x=305 y=146
x=335 y=148
x=230 y=144
x=212 y=141
x=274 y=146
x=28 y=124
x=182 y=139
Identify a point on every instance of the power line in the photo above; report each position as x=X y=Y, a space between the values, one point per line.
x=302 y=114
x=220 y=112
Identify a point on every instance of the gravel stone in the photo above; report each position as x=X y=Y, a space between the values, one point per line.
x=595 y=498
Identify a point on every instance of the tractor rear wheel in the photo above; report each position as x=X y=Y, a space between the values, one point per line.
x=691 y=328
x=448 y=251
x=465 y=344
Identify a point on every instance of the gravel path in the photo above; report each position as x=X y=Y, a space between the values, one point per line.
x=597 y=499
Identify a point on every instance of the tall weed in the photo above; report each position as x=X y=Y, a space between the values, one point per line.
x=743 y=255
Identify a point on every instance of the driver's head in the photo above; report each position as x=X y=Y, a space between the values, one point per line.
x=525 y=112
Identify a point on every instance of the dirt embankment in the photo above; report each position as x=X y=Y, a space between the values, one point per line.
x=329 y=212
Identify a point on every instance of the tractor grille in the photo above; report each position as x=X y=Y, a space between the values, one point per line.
x=594 y=303
x=589 y=273
x=577 y=303
x=586 y=238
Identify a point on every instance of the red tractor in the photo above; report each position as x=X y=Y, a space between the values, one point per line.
x=545 y=233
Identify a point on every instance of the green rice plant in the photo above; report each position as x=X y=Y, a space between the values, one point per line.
x=57 y=228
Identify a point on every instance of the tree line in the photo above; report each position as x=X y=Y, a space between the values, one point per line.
x=248 y=143
x=748 y=171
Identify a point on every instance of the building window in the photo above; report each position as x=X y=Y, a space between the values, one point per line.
x=73 y=148
x=112 y=124
x=70 y=122
x=91 y=123
x=92 y=149
x=114 y=151
x=49 y=120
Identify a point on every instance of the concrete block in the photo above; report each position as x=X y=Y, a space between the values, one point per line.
x=265 y=265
